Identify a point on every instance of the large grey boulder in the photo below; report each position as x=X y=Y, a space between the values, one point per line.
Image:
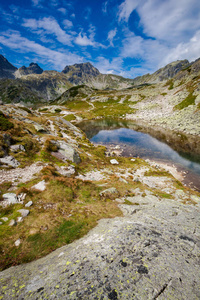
x=9 y=198
x=68 y=152
x=10 y=161
x=17 y=148
x=24 y=212
x=111 y=193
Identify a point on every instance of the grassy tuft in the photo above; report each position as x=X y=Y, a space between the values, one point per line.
x=189 y=100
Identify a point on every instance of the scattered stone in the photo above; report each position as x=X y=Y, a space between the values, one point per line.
x=17 y=148
x=19 y=219
x=40 y=128
x=1 y=223
x=114 y=162
x=133 y=159
x=12 y=222
x=10 y=161
x=21 y=197
x=40 y=186
x=111 y=193
x=29 y=204
x=66 y=171
x=9 y=198
x=17 y=242
x=5 y=219
x=123 y=180
x=24 y=212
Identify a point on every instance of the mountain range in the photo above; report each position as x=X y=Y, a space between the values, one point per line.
x=33 y=84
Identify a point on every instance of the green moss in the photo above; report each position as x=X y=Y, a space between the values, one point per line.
x=170 y=83
x=70 y=117
x=189 y=100
x=5 y=124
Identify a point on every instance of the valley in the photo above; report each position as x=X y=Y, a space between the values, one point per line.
x=135 y=218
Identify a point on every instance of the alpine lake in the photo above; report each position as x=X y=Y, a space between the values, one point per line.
x=147 y=142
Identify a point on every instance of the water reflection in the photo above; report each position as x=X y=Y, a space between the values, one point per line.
x=142 y=145
x=184 y=151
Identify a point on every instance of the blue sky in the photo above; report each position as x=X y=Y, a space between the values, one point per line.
x=123 y=37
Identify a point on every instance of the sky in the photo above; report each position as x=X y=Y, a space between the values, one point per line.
x=123 y=37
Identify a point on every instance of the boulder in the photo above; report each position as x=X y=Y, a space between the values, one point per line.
x=68 y=152
x=111 y=193
x=12 y=222
x=29 y=204
x=9 y=198
x=40 y=186
x=24 y=212
x=66 y=171
x=10 y=161
x=17 y=148
x=114 y=162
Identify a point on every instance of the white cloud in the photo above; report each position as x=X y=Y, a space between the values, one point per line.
x=111 y=35
x=107 y=66
x=62 y=10
x=126 y=8
x=14 y=41
x=83 y=40
x=67 y=23
x=189 y=50
x=169 y=20
x=49 y=26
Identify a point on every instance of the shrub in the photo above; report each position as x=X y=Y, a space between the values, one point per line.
x=4 y=123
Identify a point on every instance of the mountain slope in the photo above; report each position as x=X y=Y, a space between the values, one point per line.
x=6 y=69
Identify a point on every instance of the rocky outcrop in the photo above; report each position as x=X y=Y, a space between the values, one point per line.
x=32 y=69
x=7 y=70
x=151 y=253
x=80 y=73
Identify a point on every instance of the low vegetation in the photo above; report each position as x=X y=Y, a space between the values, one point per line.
x=189 y=100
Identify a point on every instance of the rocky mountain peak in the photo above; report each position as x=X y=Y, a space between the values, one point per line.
x=32 y=69
x=6 y=69
x=81 y=70
x=170 y=70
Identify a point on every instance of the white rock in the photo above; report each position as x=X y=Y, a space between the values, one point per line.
x=132 y=159
x=5 y=219
x=12 y=222
x=114 y=162
x=1 y=223
x=29 y=204
x=17 y=148
x=24 y=212
x=17 y=242
x=10 y=161
x=9 y=198
x=21 y=197
x=40 y=186
x=19 y=219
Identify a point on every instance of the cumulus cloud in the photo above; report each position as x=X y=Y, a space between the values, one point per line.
x=111 y=35
x=18 y=43
x=49 y=26
x=106 y=66
x=188 y=50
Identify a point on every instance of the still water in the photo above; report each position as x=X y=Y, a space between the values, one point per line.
x=139 y=144
x=136 y=143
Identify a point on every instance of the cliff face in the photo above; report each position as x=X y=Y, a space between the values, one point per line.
x=7 y=70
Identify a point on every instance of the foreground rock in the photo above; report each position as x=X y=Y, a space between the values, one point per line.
x=151 y=253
